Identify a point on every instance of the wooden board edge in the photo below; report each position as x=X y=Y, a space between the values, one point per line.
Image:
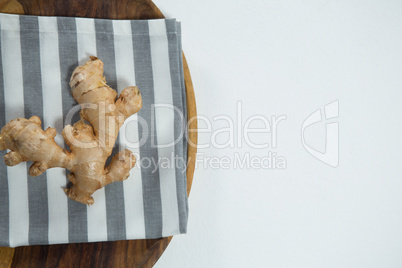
x=192 y=125
x=11 y=7
x=6 y=257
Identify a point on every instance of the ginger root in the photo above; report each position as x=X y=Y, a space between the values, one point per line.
x=90 y=144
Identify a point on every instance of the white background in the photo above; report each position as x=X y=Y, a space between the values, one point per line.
x=292 y=58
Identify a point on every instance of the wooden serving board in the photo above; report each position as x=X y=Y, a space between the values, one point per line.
x=131 y=253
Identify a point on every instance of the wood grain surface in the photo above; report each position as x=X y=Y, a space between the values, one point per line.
x=131 y=253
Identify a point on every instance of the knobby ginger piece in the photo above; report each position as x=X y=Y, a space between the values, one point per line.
x=90 y=144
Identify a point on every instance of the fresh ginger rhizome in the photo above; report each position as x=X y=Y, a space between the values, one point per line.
x=90 y=144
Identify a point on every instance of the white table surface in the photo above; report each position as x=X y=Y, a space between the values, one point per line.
x=291 y=58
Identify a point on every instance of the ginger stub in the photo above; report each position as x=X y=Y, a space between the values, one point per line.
x=90 y=144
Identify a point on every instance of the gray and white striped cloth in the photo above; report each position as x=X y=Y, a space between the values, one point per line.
x=38 y=55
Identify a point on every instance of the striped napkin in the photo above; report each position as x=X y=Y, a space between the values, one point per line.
x=38 y=55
